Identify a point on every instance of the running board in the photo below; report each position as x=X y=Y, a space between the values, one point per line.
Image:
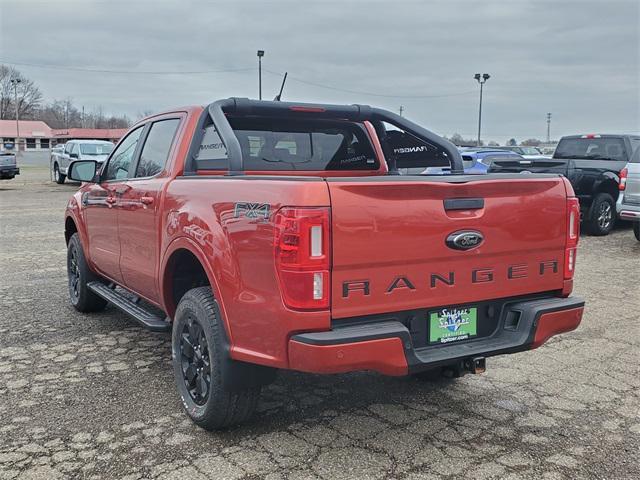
x=142 y=316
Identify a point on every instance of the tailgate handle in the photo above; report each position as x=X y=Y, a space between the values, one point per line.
x=463 y=203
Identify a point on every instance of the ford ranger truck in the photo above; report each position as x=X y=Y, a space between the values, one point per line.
x=272 y=235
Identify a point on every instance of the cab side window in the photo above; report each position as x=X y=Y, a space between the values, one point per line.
x=157 y=146
x=75 y=150
x=67 y=148
x=120 y=161
x=212 y=154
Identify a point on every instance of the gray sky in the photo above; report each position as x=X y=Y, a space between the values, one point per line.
x=577 y=59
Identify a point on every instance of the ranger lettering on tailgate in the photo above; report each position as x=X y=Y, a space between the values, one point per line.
x=479 y=275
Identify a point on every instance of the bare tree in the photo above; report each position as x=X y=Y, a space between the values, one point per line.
x=532 y=142
x=64 y=114
x=5 y=92
x=144 y=114
x=28 y=94
x=57 y=114
x=60 y=114
x=458 y=140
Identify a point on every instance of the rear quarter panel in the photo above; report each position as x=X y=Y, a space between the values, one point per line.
x=201 y=212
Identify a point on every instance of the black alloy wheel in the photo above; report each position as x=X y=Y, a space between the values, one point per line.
x=195 y=361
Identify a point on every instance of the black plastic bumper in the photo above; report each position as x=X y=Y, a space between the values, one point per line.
x=515 y=332
x=9 y=171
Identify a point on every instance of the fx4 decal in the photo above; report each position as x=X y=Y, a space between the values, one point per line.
x=252 y=210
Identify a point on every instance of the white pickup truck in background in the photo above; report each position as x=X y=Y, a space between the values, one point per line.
x=97 y=150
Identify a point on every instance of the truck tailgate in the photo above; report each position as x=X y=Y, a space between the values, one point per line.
x=536 y=165
x=389 y=241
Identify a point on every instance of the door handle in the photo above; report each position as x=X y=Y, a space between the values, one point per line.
x=146 y=200
x=463 y=203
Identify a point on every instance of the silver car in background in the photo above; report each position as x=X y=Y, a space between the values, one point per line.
x=628 y=205
x=97 y=150
x=8 y=167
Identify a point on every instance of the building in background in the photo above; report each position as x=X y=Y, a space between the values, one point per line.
x=109 y=134
x=36 y=135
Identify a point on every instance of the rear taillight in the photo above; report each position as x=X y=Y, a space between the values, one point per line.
x=573 y=234
x=302 y=251
x=623 y=178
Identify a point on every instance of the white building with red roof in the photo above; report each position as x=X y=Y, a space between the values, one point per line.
x=37 y=135
x=34 y=135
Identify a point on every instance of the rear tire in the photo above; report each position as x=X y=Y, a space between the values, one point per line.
x=601 y=217
x=198 y=353
x=79 y=275
x=58 y=177
x=636 y=230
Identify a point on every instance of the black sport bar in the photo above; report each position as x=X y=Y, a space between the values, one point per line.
x=357 y=113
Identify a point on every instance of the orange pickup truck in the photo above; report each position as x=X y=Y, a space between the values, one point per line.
x=273 y=235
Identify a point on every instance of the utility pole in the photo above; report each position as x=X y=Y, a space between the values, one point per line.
x=481 y=79
x=260 y=55
x=548 y=127
x=400 y=110
x=15 y=82
x=82 y=121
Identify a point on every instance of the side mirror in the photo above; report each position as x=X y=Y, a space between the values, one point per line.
x=82 y=170
x=73 y=155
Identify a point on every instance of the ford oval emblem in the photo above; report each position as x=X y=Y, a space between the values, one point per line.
x=464 y=239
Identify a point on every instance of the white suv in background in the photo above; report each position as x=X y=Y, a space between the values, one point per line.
x=97 y=150
x=628 y=205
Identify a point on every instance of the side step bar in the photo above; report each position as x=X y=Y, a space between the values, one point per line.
x=142 y=316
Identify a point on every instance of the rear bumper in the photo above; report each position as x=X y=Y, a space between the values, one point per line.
x=9 y=171
x=627 y=211
x=387 y=347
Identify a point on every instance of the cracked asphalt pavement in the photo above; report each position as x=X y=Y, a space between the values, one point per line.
x=93 y=396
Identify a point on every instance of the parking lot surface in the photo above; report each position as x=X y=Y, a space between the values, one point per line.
x=93 y=396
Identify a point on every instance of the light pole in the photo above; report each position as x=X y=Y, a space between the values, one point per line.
x=14 y=83
x=481 y=80
x=260 y=55
x=548 y=128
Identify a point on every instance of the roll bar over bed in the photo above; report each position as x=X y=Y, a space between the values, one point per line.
x=216 y=114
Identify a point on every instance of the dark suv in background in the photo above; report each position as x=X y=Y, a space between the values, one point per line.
x=592 y=163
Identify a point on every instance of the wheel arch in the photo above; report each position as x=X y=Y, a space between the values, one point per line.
x=185 y=250
x=608 y=183
x=238 y=374
x=70 y=227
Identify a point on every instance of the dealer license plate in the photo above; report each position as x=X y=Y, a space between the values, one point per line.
x=453 y=324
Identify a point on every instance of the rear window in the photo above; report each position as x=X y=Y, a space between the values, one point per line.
x=608 y=148
x=276 y=144
x=96 y=148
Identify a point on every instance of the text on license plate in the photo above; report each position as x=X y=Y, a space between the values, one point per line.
x=453 y=324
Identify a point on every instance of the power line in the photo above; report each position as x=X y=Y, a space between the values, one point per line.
x=370 y=94
x=246 y=69
x=134 y=72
